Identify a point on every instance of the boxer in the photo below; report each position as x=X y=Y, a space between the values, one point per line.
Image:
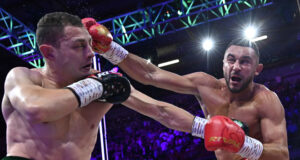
x=236 y=96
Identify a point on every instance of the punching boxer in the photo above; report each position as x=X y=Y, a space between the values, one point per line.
x=235 y=96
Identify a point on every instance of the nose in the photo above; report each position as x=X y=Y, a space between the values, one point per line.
x=236 y=66
x=90 y=53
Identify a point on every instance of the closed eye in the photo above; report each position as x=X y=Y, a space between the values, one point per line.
x=79 y=45
x=90 y=42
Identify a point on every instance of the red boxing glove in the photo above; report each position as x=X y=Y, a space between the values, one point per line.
x=222 y=133
x=88 y=22
x=101 y=36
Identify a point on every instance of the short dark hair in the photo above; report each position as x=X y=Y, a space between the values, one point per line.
x=51 y=27
x=245 y=43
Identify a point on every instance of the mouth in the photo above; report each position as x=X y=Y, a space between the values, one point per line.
x=88 y=66
x=236 y=79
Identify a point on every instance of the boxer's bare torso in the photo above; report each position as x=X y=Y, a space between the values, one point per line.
x=235 y=96
x=248 y=106
x=71 y=137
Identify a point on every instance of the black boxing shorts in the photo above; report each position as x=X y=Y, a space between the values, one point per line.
x=14 y=158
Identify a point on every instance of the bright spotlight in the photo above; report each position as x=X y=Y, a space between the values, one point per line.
x=250 y=32
x=207 y=44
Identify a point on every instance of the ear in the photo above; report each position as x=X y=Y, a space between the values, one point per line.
x=47 y=51
x=259 y=68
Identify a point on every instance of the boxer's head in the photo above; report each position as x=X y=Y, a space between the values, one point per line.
x=241 y=64
x=50 y=27
x=65 y=43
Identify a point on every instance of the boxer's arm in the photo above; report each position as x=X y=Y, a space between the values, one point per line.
x=35 y=103
x=136 y=67
x=149 y=74
x=165 y=113
x=273 y=128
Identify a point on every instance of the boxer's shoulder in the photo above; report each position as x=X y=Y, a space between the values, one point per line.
x=262 y=94
x=23 y=74
x=266 y=100
x=20 y=71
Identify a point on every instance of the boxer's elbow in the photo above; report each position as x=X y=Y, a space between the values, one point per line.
x=28 y=109
x=34 y=111
x=34 y=114
x=148 y=78
x=285 y=153
x=152 y=76
x=272 y=151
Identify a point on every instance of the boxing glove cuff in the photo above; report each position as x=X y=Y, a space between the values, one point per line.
x=198 y=126
x=115 y=54
x=252 y=149
x=86 y=90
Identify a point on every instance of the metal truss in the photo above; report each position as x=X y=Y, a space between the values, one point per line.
x=130 y=28
x=18 y=39
x=172 y=16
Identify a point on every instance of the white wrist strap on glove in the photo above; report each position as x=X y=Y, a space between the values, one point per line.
x=252 y=149
x=198 y=127
x=86 y=90
x=115 y=54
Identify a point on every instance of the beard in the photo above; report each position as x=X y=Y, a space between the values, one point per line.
x=245 y=83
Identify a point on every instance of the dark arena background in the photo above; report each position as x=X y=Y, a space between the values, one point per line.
x=162 y=31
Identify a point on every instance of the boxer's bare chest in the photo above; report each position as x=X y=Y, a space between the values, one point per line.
x=81 y=122
x=73 y=135
x=217 y=102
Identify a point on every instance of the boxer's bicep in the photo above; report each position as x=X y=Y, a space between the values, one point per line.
x=273 y=124
x=18 y=88
x=34 y=102
x=167 y=114
x=273 y=129
x=202 y=79
x=147 y=73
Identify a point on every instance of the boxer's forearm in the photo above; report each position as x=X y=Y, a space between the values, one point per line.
x=174 y=117
x=147 y=73
x=274 y=151
x=138 y=68
x=43 y=105
x=167 y=114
